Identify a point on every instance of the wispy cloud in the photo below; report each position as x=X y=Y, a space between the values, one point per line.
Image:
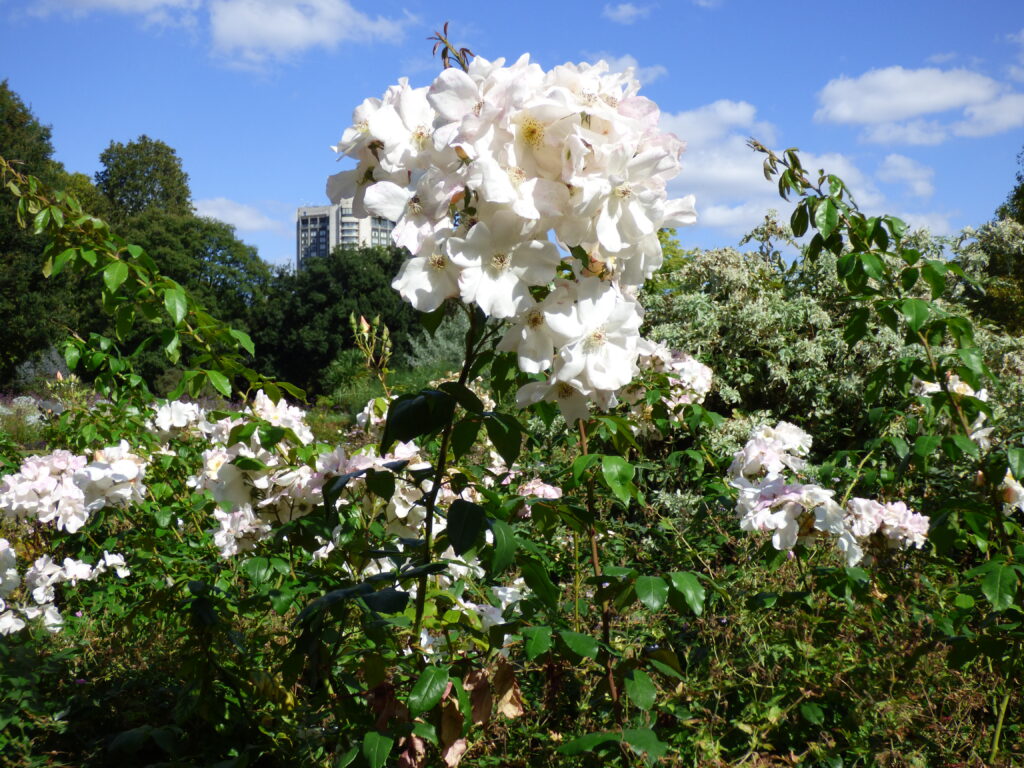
x=245 y=218
x=153 y=12
x=900 y=169
x=625 y=13
x=645 y=75
x=251 y=33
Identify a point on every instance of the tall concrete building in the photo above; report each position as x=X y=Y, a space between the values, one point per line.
x=321 y=228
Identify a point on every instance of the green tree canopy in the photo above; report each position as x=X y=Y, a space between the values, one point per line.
x=141 y=175
x=226 y=275
x=32 y=309
x=305 y=322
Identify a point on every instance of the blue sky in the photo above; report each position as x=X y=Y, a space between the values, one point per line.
x=917 y=104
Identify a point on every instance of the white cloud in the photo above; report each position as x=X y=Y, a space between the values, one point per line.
x=253 y=32
x=894 y=93
x=935 y=222
x=245 y=218
x=1003 y=114
x=707 y=3
x=701 y=126
x=919 y=132
x=624 y=13
x=727 y=177
x=941 y=58
x=1016 y=71
x=645 y=75
x=900 y=169
x=152 y=11
x=890 y=104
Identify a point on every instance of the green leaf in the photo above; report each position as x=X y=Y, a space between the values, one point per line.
x=916 y=312
x=464 y=436
x=873 y=265
x=826 y=217
x=465 y=523
x=387 y=600
x=644 y=740
x=581 y=645
x=856 y=327
x=925 y=445
x=244 y=341
x=411 y=416
x=798 y=221
x=652 y=591
x=582 y=464
x=258 y=569
x=1000 y=586
x=114 y=274
x=429 y=689
x=506 y=434
x=220 y=382
x=536 y=577
x=538 y=641
x=640 y=689
x=618 y=473
x=176 y=304
x=588 y=742
x=1015 y=458
x=812 y=713
x=72 y=354
x=965 y=444
x=381 y=483
x=345 y=760
x=934 y=274
x=973 y=359
x=688 y=585
x=908 y=278
x=504 y=546
x=463 y=395
x=376 y=748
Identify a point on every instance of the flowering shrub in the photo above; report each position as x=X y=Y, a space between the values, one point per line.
x=389 y=598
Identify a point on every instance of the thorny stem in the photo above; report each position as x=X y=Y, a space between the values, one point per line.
x=606 y=608
x=999 y=728
x=856 y=477
x=442 y=465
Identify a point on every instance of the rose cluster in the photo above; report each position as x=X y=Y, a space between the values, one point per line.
x=38 y=583
x=798 y=512
x=492 y=175
x=64 y=489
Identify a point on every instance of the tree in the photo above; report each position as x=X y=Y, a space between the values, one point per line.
x=305 y=324
x=223 y=273
x=141 y=175
x=1013 y=208
x=32 y=309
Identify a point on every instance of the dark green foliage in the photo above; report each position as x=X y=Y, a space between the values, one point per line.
x=305 y=324
x=33 y=312
x=219 y=270
x=141 y=175
x=1013 y=207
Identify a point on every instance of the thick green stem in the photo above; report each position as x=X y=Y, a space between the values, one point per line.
x=999 y=728
x=442 y=465
x=595 y=560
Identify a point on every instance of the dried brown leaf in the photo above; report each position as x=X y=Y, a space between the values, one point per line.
x=510 y=698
